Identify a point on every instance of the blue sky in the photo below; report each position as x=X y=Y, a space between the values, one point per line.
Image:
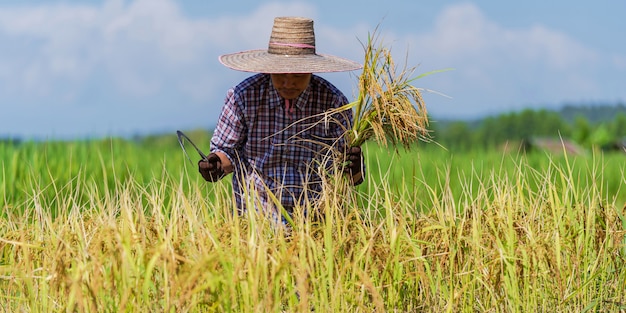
x=76 y=69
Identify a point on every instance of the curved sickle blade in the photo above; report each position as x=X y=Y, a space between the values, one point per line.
x=181 y=140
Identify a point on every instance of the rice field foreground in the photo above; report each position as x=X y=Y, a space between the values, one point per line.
x=110 y=227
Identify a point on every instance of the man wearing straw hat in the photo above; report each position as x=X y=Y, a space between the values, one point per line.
x=274 y=132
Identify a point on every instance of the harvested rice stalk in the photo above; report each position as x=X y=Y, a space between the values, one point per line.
x=388 y=108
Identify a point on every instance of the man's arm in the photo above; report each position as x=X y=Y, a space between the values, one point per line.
x=227 y=166
x=228 y=134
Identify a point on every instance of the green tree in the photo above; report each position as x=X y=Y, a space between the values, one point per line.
x=581 y=130
x=458 y=136
x=600 y=136
x=618 y=126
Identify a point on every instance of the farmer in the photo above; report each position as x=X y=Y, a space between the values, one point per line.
x=275 y=132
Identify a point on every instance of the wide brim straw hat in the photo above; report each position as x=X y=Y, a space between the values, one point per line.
x=291 y=49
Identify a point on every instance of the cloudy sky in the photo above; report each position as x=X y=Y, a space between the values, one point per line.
x=91 y=68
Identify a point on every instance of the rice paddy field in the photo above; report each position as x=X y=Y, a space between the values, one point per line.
x=130 y=226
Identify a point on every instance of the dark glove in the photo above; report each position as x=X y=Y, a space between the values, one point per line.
x=211 y=168
x=354 y=164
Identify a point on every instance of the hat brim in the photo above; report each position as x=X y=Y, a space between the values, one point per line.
x=260 y=61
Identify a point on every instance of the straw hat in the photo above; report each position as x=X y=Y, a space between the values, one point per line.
x=291 y=49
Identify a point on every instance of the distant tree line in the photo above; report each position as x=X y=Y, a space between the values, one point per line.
x=588 y=126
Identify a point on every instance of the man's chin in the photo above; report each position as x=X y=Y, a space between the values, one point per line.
x=289 y=95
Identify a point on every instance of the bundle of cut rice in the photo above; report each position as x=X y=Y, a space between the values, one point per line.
x=388 y=108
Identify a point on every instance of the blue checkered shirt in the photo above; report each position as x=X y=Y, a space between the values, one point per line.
x=279 y=153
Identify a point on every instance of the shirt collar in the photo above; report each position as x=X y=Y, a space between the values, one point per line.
x=303 y=98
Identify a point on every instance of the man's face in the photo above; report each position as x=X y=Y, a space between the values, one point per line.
x=290 y=86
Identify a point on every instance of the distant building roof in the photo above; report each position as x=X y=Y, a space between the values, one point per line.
x=556 y=145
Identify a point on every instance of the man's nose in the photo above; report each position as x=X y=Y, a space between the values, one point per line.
x=287 y=82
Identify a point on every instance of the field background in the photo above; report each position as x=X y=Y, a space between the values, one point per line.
x=129 y=225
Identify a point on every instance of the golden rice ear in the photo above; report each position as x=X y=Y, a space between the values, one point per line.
x=388 y=108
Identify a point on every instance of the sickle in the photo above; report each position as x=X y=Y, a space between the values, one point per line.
x=181 y=138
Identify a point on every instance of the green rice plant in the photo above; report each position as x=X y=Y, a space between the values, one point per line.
x=446 y=234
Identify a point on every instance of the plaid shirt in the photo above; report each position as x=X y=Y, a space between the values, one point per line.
x=279 y=152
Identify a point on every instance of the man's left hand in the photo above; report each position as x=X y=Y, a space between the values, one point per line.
x=354 y=166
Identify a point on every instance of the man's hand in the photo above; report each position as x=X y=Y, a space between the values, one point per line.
x=354 y=166
x=211 y=168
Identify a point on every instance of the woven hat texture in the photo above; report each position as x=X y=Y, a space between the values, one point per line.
x=291 y=49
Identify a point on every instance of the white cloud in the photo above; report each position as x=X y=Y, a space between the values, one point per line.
x=148 y=54
x=45 y=46
x=143 y=56
x=142 y=46
x=463 y=32
x=497 y=66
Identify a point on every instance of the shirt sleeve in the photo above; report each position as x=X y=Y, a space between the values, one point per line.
x=230 y=132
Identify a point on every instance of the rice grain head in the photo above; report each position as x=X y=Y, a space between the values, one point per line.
x=388 y=108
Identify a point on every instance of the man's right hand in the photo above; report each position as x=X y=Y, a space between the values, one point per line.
x=211 y=168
